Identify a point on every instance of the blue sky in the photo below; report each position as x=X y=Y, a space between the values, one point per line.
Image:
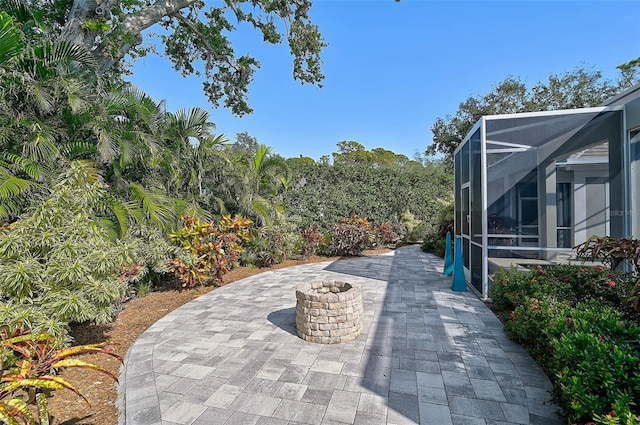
x=393 y=68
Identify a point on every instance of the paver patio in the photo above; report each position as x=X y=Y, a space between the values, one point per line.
x=427 y=355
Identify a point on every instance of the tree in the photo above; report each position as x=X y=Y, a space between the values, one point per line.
x=351 y=152
x=246 y=143
x=385 y=157
x=42 y=85
x=263 y=174
x=322 y=194
x=629 y=73
x=576 y=89
x=196 y=38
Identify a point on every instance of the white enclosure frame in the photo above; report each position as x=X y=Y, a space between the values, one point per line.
x=522 y=159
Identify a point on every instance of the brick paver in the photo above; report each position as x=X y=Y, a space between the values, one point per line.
x=426 y=355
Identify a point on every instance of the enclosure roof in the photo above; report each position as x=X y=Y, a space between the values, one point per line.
x=535 y=129
x=625 y=97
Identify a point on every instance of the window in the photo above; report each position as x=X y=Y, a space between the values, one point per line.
x=564 y=215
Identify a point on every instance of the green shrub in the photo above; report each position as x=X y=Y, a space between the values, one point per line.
x=415 y=228
x=324 y=244
x=446 y=216
x=591 y=354
x=620 y=414
x=573 y=284
x=535 y=324
x=429 y=241
x=569 y=319
x=435 y=238
x=596 y=362
x=440 y=248
x=58 y=265
x=434 y=244
x=268 y=247
x=514 y=288
x=592 y=283
x=152 y=253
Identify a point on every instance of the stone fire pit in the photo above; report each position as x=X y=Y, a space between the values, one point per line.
x=328 y=312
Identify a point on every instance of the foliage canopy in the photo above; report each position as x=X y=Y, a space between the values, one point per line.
x=579 y=88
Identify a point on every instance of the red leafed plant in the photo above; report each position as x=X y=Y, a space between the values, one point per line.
x=310 y=240
x=350 y=236
x=356 y=220
x=29 y=365
x=215 y=246
x=612 y=252
x=387 y=234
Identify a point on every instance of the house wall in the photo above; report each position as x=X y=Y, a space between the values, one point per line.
x=632 y=121
x=590 y=205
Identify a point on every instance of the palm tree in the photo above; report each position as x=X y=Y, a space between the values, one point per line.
x=191 y=148
x=38 y=83
x=263 y=176
x=53 y=110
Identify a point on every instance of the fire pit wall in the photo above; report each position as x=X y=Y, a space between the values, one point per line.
x=328 y=312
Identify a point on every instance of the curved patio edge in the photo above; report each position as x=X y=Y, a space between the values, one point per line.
x=426 y=355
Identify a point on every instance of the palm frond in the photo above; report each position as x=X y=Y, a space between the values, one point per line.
x=134 y=211
x=8 y=208
x=186 y=208
x=26 y=165
x=76 y=94
x=42 y=95
x=261 y=153
x=222 y=208
x=213 y=144
x=286 y=181
x=18 y=9
x=78 y=149
x=107 y=146
x=12 y=186
x=41 y=144
x=54 y=53
x=262 y=208
x=128 y=152
x=189 y=123
x=115 y=102
x=198 y=118
x=109 y=227
x=155 y=205
x=10 y=38
x=144 y=107
x=150 y=144
x=119 y=211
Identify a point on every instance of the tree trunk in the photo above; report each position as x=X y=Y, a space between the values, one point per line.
x=84 y=11
x=81 y=12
